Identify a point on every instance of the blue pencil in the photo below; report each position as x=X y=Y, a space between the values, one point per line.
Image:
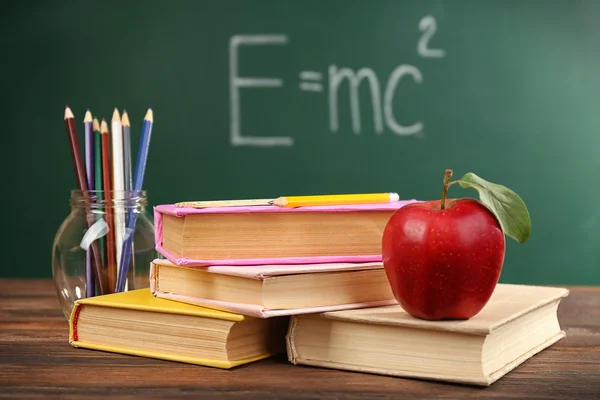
x=138 y=181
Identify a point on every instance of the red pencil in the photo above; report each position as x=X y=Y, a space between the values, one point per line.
x=75 y=155
x=111 y=261
x=82 y=184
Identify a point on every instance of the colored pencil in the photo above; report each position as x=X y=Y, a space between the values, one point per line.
x=138 y=182
x=127 y=174
x=111 y=263
x=118 y=183
x=82 y=185
x=142 y=157
x=98 y=179
x=127 y=151
x=224 y=203
x=88 y=144
x=89 y=150
x=335 y=199
x=74 y=145
x=297 y=201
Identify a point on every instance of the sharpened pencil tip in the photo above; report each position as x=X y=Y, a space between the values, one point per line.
x=68 y=113
x=116 y=117
x=125 y=119
x=88 y=116
x=149 y=115
x=103 y=126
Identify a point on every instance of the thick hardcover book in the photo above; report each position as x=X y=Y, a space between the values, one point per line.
x=137 y=323
x=274 y=290
x=518 y=322
x=258 y=235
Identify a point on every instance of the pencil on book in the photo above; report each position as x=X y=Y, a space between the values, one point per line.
x=297 y=201
x=335 y=199
x=88 y=144
x=83 y=187
x=224 y=203
x=98 y=181
x=111 y=263
x=138 y=181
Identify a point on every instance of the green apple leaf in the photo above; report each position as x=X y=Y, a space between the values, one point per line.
x=506 y=205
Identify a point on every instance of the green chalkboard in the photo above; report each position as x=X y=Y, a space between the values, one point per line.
x=267 y=98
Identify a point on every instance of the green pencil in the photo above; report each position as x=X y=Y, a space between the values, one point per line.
x=98 y=178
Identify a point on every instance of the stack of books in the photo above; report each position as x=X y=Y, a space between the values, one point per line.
x=238 y=284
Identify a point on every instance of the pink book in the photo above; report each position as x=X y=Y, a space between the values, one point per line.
x=250 y=290
x=246 y=228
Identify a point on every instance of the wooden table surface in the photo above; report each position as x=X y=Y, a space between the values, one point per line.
x=37 y=362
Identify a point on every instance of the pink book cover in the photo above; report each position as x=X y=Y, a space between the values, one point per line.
x=171 y=209
x=259 y=273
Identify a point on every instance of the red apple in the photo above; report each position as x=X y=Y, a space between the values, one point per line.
x=443 y=262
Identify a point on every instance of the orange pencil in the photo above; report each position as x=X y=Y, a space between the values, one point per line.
x=111 y=261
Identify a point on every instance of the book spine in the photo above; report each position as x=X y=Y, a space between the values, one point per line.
x=153 y=281
x=290 y=344
x=73 y=323
x=158 y=230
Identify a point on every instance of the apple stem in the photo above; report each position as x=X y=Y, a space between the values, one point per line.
x=447 y=176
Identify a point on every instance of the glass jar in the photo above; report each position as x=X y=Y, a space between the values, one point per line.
x=93 y=237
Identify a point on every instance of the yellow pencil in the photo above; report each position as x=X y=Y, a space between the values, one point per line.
x=335 y=199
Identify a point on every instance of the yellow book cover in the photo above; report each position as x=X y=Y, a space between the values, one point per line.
x=137 y=323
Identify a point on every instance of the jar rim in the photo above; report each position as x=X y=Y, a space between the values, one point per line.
x=77 y=194
x=109 y=198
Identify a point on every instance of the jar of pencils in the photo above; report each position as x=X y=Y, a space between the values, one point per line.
x=105 y=245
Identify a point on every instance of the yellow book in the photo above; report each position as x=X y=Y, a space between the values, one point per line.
x=137 y=323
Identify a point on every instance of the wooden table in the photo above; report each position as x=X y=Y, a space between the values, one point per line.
x=37 y=362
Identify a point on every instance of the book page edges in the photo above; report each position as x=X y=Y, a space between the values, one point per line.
x=259 y=311
x=169 y=357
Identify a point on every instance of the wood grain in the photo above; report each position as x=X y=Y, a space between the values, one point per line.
x=36 y=361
